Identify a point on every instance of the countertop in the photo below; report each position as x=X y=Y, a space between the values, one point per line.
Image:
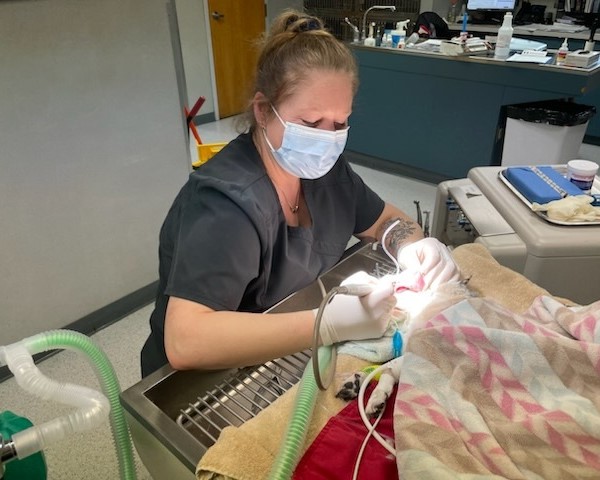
x=485 y=60
x=536 y=30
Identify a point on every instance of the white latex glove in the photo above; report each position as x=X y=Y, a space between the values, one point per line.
x=350 y=317
x=430 y=258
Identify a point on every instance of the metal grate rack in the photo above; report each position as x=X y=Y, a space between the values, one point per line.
x=241 y=397
x=333 y=12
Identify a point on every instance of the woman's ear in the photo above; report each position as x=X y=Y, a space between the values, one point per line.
x=260 y=107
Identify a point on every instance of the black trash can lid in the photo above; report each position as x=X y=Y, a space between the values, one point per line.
x=553 y=112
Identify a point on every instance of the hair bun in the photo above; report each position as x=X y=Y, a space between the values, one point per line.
x=298 y=24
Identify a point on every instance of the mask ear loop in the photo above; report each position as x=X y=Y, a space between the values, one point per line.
x=264 y=128
x=264 y=131
x=277 y=113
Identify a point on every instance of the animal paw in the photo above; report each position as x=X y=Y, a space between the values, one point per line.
x=376 y=402
x=349 y=389
x=382 y=391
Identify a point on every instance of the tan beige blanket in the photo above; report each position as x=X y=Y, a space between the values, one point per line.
x=247 y=452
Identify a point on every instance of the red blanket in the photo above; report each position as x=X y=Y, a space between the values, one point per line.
x=334 y=452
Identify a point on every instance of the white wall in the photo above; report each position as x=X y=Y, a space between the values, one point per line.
x=93 y=149
x=92 y=152
x=438 y=6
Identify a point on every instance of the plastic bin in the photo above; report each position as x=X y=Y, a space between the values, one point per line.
x=544 y=133
x=206 y=151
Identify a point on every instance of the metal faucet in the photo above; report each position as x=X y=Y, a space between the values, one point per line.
x=374 y=7
x=355 y=30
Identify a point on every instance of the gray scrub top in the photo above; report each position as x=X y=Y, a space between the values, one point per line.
x=225 y=242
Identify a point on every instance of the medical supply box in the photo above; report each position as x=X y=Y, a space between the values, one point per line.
x=582 y=58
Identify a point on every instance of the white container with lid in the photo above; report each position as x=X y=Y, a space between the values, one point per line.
x=582 y=173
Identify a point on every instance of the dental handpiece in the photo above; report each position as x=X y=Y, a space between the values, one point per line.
x=356 y=289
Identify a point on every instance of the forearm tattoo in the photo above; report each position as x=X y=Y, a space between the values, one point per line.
x=397 y=235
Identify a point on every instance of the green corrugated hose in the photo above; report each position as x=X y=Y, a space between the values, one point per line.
x=291 y=449
x=71 y=340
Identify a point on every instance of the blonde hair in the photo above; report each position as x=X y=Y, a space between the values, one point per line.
x=295 y=45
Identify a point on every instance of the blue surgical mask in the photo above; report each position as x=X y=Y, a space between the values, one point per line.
x=308 y=152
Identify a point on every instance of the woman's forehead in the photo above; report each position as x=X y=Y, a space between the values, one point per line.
x=322 y=90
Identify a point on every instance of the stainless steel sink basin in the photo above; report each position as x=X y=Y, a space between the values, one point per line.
x=175 y=416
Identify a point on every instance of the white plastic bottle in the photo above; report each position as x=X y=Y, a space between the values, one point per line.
x=370 y=40
x=505 y=33
x=561 y=55
x=386 y=40
x=399 y=34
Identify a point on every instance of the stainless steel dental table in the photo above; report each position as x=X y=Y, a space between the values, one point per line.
x=175 y=416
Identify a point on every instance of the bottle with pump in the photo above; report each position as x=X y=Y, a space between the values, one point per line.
x=561 y=55
x=370 y=40
x=505 y=33
x=399 y=34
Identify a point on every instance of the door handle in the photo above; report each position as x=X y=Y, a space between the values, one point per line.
x=217 y=15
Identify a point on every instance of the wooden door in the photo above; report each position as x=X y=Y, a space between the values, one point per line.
x=235 y=26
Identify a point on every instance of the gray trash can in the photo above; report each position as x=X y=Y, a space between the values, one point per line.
x=544 y=133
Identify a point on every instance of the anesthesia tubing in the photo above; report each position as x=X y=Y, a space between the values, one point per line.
x=311 y=381
x=92 y=406
x=289 y=452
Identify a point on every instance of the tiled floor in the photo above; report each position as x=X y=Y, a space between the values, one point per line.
x=91 y=455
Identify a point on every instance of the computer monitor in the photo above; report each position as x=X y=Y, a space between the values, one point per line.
x=489 y=11
x=491 y=5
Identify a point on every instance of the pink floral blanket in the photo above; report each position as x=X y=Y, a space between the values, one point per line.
x=487 y=393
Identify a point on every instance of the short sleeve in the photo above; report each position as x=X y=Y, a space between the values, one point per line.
x=216 y=252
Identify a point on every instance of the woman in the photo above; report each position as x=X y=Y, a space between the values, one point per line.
x=272 y=211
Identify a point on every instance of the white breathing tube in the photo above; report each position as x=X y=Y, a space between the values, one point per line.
x=370 y=426
x=392 y=258
x=361 y=406
x=361 y=392
x=324 y=383
x=92 y=406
